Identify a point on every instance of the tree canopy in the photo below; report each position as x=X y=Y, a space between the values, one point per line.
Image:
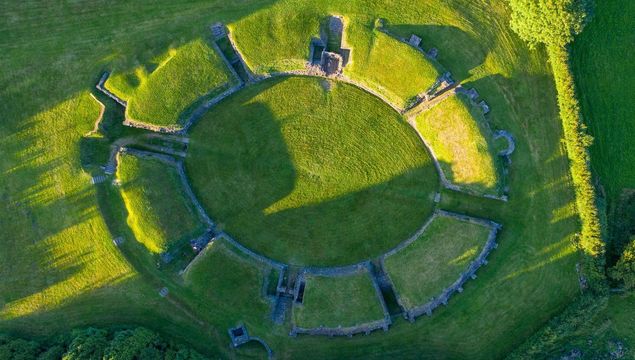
x=550 y=22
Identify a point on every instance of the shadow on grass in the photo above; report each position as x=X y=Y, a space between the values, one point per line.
x=459 y=52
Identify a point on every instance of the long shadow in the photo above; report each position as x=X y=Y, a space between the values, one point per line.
x=459 y=52
x=244 y=174
x=45 y=67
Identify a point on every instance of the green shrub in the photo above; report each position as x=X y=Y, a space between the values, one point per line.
x=624 y=270
x=555 y=23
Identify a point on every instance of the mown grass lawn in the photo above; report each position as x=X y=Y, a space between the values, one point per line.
x=159 y=214
x=165 y=95
x=338 y=301
x=459 y=137
x=435 y=260
x=60 y=269
x=311 y=176
x=387 y=65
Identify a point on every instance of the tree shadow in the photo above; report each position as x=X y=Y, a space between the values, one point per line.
x=46 y=73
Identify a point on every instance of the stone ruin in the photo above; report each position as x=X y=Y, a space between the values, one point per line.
x=484 y=106
x=414 y=40
x=239 y=336
x=218 y=30
x=327 y=52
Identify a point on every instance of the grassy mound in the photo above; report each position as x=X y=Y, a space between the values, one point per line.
x=392 y=68
x=334 y=301
x=165 y=96
x=458 y=135
x=158 y=213
x=435 y=260
x=311 y=176
x=273 y=41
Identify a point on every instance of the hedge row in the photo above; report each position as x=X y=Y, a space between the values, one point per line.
x=577 y=142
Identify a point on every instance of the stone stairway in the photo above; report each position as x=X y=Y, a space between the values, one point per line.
x=282 y=307
x=218 y=30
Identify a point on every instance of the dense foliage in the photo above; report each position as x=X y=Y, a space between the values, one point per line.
x=550 y=22
x=624 y=270
x=91 y=343
x=554 y=24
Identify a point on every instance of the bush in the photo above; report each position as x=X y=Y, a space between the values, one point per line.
x=624 y=270
x=554 y=24
x=95 y=344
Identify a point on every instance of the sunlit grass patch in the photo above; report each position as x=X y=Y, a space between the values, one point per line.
x=340 y=300
x=159 y=214
x=165 y=95
x=462 y=141
x=273 y=41
x=435 y=260
x=392 y=68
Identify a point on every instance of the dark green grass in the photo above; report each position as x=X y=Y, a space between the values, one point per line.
x=60 y=270
x=159 y=214
x=605 y=75
x=338 y=301
x=310 y=176
x=221 y=277
x=435 y=260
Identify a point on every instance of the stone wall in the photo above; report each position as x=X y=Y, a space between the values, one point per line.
x=457 y=286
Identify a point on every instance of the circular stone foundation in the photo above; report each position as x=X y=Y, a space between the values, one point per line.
x=311 y=172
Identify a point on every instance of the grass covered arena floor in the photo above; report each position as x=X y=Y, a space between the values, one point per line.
x=61 y=270
x=344 y=301
x=310 y=175
x=166 y=91
x=435 y=260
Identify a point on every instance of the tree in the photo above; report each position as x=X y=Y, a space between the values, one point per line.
x=139 y=343
x=18 y=349
x=90 y=343
x=550 y=22
x=624 y=270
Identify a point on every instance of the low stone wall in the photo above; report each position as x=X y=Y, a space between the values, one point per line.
x=365 y=328
x=102 y=109
x=180 y=168
x=101 y=87
x=201 y=110
x=457 y=286
x=260 y=258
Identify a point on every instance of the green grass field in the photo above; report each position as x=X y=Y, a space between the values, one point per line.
x=221 y=277
x=295 y=173
x=387 y=65
x=178 y=79
x=435 y=260
x=60 y=269
x=159 y=214
x=272 y=41
x=333 y=301
x=462 y=142
x=604 y=75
